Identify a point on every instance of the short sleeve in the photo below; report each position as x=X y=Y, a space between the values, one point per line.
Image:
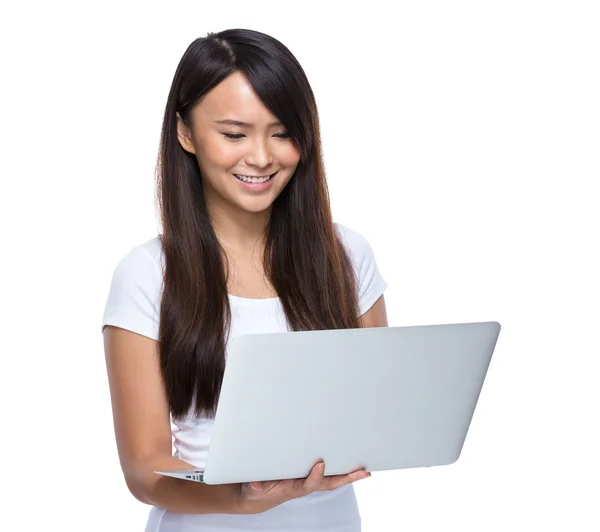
x=371 y=284
x=133 y=301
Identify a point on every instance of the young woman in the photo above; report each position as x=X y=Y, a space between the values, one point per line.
x=248 y=245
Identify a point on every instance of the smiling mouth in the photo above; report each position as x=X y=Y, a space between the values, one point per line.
x=254 y=179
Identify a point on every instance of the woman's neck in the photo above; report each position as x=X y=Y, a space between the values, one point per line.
x=239 y=231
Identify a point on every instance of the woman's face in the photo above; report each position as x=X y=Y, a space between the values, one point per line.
x=238 y=144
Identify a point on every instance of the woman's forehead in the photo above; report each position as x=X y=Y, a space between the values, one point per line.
x=235 y=99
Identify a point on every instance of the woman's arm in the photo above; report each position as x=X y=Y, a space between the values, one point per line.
x=376 y=316
x=143 y=427
x=143 y=432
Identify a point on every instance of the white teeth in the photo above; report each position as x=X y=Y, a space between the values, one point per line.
x=248 y=179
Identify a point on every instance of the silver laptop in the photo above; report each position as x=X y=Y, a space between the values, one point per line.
x=379 y=398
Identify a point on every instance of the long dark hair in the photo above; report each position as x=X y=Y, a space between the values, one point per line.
x=304 y=258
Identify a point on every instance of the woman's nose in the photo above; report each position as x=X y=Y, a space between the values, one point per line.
x=259 y=155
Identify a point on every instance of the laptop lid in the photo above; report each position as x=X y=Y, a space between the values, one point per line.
x=380 y=399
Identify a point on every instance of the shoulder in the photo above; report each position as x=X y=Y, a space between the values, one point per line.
x=354 y=241
x=371 y=283
x=142 y=264
x=358 y=247
x=144 y=255
x=133 y=300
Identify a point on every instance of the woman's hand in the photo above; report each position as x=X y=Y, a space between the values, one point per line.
x=261 y=496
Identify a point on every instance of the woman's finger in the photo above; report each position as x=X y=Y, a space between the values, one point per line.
x=337 y=481
x=314 y=480
x=257 y=487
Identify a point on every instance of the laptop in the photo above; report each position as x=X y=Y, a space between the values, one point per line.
x=379 y=399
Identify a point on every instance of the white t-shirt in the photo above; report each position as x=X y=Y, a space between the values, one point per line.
x=134 y=304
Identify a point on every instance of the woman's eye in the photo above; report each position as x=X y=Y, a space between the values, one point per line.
x=237 y=136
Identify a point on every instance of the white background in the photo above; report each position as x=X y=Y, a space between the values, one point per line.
x=461 y=138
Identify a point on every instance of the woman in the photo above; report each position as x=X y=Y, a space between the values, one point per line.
x=248 y=246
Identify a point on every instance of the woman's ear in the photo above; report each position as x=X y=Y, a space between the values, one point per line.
x=184 y=136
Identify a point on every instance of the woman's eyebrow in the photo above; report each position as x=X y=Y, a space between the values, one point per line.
x=230 y=122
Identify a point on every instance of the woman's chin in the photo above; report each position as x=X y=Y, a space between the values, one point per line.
x=254 y=205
